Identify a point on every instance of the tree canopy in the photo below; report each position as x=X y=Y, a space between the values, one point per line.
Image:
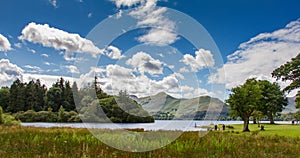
x=244 y=100
x=273 y=100
x=256 y=98
x=290 y=71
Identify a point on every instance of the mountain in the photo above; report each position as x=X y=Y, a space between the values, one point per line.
x=164 y=106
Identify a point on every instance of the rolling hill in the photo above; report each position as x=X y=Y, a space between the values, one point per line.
x=164 y=106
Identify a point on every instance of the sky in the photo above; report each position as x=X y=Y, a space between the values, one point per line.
x=184 y=48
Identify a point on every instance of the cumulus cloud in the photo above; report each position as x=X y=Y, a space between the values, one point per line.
x=48 y=80
x=204 y=58
x=114 y=52
x=72 y=69
x=163 y=30
x=114 y=78
x=260 y=56
x=59 y=40
x=143 y=62
x=127 y=3
x=4 y=44
x=158 y=37
x=33 y=69
x=9 y=72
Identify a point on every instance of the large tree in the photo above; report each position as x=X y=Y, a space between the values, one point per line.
x=244 y=100
x=290 y=72
x=273 y=100
x=4 y=98
x=16 y=97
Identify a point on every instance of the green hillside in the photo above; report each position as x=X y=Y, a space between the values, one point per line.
x=164 y=106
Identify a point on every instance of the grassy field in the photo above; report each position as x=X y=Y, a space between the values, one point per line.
x=272 y=130
x=68 y=142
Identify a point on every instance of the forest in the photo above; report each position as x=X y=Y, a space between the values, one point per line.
x=33 y=102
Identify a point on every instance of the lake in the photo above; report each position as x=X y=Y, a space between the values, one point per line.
x=171 y=125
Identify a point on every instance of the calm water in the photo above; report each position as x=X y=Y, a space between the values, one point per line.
x=184 y=125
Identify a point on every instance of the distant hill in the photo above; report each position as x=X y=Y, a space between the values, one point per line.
x=164 y=106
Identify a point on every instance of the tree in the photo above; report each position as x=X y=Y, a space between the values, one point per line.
x=1 y=113
x=273 y=100
x=17 y=97
x=257 y=115
x=4 y=97
x=244 y=100
x=54 y=98
x=60 y=114
x=290 y=72
x=297 y=116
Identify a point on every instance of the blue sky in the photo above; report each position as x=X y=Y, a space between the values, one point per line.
x=252 y=38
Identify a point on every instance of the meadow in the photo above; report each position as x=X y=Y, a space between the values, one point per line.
x=275 y=141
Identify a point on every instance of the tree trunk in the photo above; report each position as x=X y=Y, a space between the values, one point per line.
x=271 y=119
x=246 y=123
x=254 y=120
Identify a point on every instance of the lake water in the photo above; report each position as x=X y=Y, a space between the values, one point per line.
x=183 y=125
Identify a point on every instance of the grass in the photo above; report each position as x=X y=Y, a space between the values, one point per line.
x=67 y=142
x=271 y=129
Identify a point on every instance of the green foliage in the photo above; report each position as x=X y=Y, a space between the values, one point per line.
x=4 y=98
x=273 y=100
x=48 y=116
x=297 y=116
x=118 y=109
x=1 y=115
x=32 y=102
x=244 y=100
x=7 y=120
x=290 y=72
x=60 y=114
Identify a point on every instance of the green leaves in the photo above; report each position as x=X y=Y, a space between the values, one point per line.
x=290 y=72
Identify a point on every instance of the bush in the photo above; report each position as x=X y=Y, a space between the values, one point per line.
x=9 y=120
x=47 y=116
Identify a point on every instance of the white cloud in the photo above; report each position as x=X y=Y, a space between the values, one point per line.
x=260 y=56
x=4 y=44
x=48 y=80
x=72 y=69
x=119 y=14
x=53 y=3
x=114 y=52
x=48 y=63
x=183 y=70
x=114 y=78
x=204 y=58
x=90 y=15
x=147 y=13
x=59 y=40
x=33 y=69
x=18 y=45
x=127 y=3
x=45 y=55
x=31 y=50
x=9 y=72
x=143 y=62
x=158 y=37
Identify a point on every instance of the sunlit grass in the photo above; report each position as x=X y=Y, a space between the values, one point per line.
x=271 y=129
x=68 y=142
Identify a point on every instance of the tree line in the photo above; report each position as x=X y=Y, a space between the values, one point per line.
x=33 y=102
x=262 y=98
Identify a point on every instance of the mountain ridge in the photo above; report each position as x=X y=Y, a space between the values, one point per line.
x=202 y=107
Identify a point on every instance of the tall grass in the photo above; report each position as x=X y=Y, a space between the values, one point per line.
x=68 y=142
